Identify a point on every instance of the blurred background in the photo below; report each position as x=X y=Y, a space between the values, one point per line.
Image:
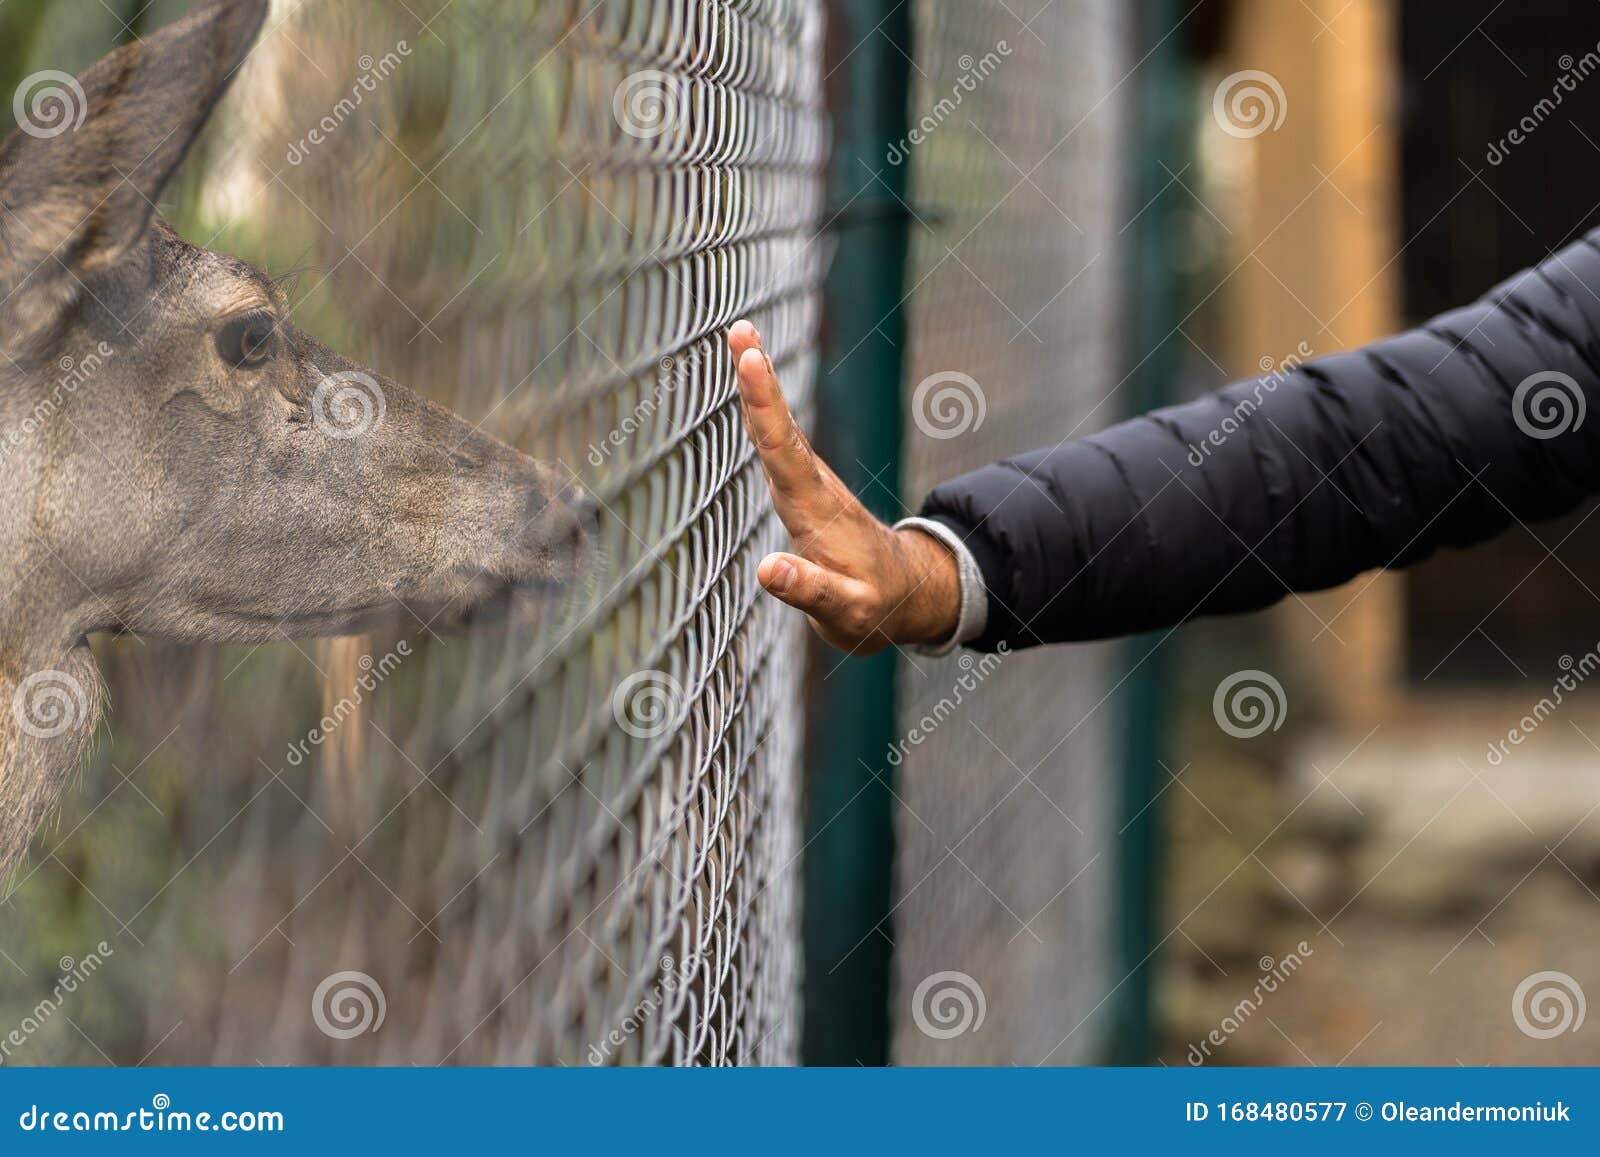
x=1434 y=865
x=966 y=228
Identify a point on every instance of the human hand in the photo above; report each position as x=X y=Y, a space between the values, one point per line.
x=864 y=585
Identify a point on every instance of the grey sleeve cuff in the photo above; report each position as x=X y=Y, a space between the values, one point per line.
x=974 y=594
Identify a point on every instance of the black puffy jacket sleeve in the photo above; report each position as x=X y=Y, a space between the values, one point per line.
x=1301 y=480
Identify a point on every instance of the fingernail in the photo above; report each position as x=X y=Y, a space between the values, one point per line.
x=783 y=576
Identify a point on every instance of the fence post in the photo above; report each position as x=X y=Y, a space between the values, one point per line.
x=1161 y=124
x=849 y=864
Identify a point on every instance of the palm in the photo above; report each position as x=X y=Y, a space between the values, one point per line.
x=864 y=586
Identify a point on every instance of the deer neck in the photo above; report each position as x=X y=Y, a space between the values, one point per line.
x=51 y=694
x=51 y=699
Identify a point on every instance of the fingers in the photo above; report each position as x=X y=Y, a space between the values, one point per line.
x=778 y=439
x=833 y=600
x=835 y=534
x=741 y=337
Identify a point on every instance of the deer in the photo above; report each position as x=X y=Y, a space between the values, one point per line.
x=179 y=460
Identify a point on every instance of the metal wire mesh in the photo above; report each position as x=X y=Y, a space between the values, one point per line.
x=567 y=843
x=1004 y=864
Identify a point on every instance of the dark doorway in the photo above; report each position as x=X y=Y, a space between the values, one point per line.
x=1476 y=207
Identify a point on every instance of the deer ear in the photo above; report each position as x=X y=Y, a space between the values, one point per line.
x=80 y=176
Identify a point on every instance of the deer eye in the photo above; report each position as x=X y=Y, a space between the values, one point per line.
x=248 y=341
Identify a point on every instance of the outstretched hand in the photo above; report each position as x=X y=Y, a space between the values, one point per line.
x=864 y=585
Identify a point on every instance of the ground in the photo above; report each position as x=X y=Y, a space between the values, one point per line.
x=1426 y=883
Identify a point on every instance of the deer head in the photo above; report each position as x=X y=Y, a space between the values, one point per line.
x=176 y=458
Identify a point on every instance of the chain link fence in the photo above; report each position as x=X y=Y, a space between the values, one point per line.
x=1005 y=768
x=573 y=841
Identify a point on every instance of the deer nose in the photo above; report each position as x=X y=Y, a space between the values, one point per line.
x=585 y=511
x=585 y=508
x=567 y=520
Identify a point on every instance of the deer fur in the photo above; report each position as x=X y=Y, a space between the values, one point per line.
x=151 y=482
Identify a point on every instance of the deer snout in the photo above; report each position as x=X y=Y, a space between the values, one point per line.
x=558 y=528
x=566 y=522
x=544 y=543
x=527 y=538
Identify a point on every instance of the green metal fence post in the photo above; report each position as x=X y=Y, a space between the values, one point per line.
x=1162 y=107
x=850 y=823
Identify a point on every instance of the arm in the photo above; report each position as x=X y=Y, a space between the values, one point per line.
x=1298 y=481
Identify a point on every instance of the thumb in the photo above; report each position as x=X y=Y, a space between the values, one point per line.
x=807 y=587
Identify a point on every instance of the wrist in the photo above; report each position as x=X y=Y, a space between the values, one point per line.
x=928 y=607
